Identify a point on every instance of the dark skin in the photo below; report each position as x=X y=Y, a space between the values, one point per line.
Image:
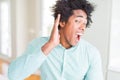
x=70 y=32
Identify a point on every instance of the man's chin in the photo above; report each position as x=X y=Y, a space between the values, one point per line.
x=75 y=44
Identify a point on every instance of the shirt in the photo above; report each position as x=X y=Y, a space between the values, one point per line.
x=80 y=62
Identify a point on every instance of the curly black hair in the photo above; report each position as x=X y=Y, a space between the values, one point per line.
x=66 y=7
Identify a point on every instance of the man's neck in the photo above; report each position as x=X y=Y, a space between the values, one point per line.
x=63 y=41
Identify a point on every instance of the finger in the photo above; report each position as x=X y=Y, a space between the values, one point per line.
x=57 y=20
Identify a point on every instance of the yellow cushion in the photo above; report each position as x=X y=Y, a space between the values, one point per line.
x=33 y=77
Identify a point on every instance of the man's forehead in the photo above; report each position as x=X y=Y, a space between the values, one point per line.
x=79 y=13
x=80 y=16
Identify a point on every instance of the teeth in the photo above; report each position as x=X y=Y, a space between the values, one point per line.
x=80 y=34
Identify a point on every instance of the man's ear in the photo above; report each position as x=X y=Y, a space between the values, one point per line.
x=62 y=24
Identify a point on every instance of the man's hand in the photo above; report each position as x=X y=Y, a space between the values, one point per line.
x=54 y=38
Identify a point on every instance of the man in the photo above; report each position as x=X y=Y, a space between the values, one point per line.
x=63 y=55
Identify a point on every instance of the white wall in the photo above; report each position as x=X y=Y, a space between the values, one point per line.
x=21 y=25
x=114 y=70
x=113 y=75
x=25 y=23
x=99 y=32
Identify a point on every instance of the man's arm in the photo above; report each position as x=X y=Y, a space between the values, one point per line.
x=34 y=56
x=54 y=38
x=26 y=64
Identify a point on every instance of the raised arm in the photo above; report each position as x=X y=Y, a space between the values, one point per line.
x=28 y=63
x=34 y=56
x=54 y=38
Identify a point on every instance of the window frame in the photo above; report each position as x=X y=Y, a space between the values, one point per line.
x=2 y=55
x=114 y=21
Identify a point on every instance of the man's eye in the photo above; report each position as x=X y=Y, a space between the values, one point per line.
x=78 y=21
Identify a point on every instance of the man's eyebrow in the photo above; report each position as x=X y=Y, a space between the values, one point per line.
x=80 y=16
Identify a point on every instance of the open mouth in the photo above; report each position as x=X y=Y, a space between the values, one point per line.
x=78 y=35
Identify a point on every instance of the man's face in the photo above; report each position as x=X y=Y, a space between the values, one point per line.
x=74 y=28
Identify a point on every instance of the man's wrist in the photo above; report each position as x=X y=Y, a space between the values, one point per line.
x=47 y=48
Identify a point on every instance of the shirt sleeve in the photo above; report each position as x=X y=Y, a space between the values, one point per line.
x=95 y=69
x=26 y=64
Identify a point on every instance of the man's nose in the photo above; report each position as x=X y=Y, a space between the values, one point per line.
x=82 y=27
